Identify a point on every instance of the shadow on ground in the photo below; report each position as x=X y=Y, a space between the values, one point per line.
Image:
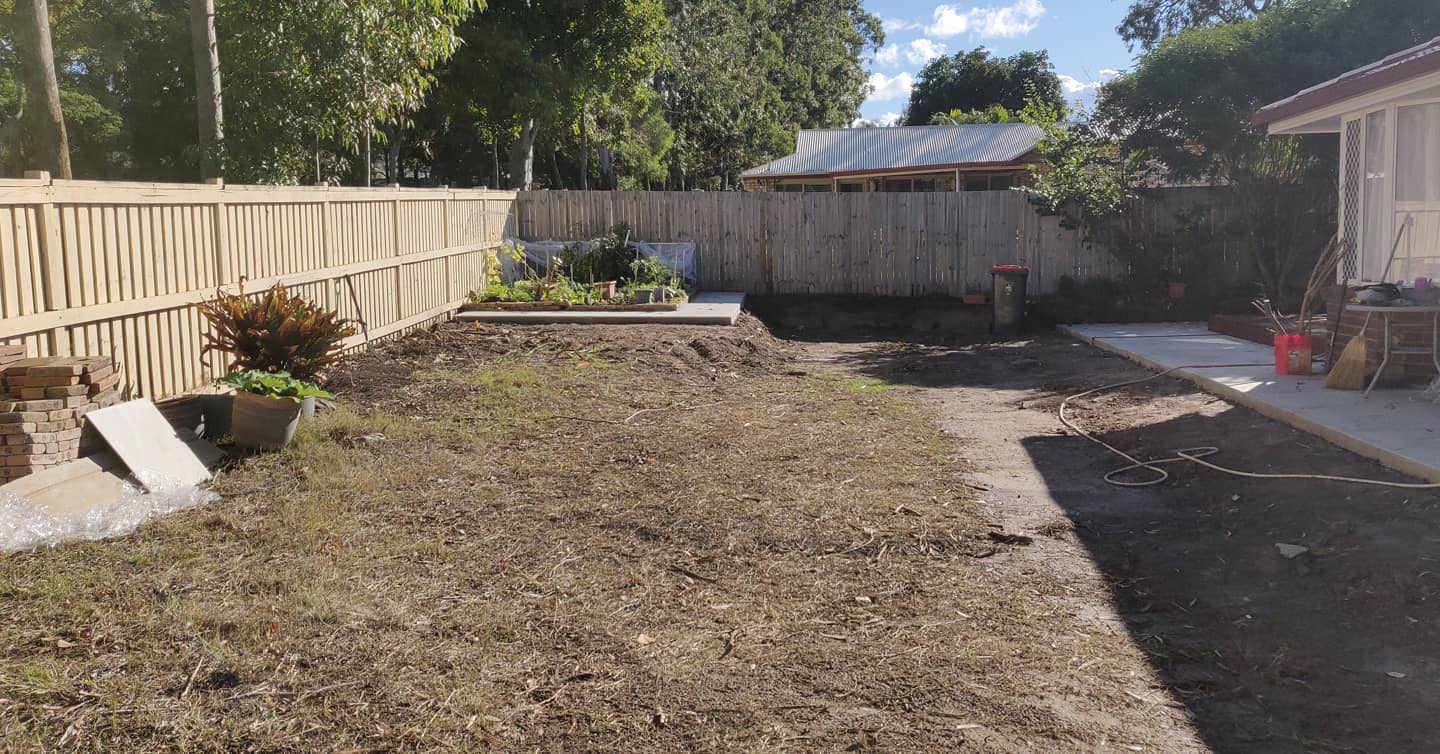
x=1335 y=650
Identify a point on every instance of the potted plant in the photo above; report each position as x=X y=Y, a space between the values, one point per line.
x=974 y=297
x=268 y=407
x=278 y=345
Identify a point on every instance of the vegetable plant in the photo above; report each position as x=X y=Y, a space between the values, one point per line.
x=273 y=385
x=274 y=332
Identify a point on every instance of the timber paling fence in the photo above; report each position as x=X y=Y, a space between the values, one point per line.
x=861 y=244
x=105 y=268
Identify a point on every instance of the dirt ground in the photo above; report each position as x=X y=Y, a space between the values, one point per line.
x=696 y=539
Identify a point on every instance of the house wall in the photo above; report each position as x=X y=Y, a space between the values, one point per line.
x=970 y=179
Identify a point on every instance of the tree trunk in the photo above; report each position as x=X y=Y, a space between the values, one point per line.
x=392 y=155
x=522 y=157
x=555 y=177
x=37 y=63
x=495 y=160
x=584 y=152
x=607 y=168
x=207 y=87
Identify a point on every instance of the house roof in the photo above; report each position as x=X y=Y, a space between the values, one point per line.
x=1407 y=64
x=850 y=151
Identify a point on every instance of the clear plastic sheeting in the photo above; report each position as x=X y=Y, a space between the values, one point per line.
x=24 y=526
x=679 y=258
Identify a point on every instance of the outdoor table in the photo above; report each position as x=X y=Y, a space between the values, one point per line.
x=1433 y=351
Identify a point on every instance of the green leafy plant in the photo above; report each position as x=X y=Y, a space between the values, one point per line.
x=272 y=385
x=274 y=332
x=609 y=258
x=648 y=272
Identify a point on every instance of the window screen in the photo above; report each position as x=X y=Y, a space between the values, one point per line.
x=898 y=184
x=1375 y=250
x=1417 y=153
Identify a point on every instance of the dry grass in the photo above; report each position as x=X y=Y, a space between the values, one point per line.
x=650 y=540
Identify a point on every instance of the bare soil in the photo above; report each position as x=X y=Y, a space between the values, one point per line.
x=1332 y=651
x=654 y=539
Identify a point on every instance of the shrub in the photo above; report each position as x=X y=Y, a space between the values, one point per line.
x=272 y=385
x=274 y=332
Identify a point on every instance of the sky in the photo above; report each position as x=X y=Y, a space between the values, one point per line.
x=1080 y=35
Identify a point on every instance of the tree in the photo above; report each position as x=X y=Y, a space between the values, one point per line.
x=1148 y=21
x=208 y=105
x=992 y=114
x=43 y=117
x=538 y=65
x=976 y=80
x=1187 y=103
x=306 y=72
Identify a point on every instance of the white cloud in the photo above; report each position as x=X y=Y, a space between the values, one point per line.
x=885 y=88
x=898 y=24
x=886 y=120
x=1016 y=19
x=917 y=52
x=1109 y=73
x=1072 y=85
x=922 y=51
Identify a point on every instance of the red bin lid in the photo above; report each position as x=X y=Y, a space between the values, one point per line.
x=1010 y=268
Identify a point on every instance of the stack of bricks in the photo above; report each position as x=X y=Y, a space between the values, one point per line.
x=44 y=404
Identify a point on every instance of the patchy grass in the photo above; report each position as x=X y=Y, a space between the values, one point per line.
x=659 y=541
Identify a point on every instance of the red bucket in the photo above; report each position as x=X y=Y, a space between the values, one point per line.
x=1293 y=353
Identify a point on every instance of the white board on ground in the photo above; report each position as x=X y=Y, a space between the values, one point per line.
x=141 y=437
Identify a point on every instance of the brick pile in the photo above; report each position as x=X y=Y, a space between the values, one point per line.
x=43 y=407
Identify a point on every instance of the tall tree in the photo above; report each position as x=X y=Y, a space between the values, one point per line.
x=533 y=65
x=977 y=80
x=44 y=117
x=208 y=106
x=1147 y=21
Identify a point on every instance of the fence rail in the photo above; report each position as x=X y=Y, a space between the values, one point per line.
x=879 y=243
x=104 y=268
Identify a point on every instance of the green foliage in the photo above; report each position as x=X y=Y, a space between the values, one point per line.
x=1147 y=21
x=272 y=385
x=1082 y=176
x=992 y=114
x=609 y=258
x=649 y=272
x=976 y=80
x=274 y=332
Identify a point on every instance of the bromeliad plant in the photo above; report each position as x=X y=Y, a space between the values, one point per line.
x=275 y=332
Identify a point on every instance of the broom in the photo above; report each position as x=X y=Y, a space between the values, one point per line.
x=1348 y=372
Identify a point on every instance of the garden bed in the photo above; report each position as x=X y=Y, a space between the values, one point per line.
x=558 y=306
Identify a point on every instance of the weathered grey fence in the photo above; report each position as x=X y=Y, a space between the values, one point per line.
x=881 y=244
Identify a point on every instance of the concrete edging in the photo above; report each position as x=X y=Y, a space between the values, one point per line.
x=1357 y=445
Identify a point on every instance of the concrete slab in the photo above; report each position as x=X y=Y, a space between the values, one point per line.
x=709 y=308
x=1397 y=427
x=149 y=446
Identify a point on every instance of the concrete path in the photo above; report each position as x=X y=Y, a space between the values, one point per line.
x=1397 y=427
x=709 y=308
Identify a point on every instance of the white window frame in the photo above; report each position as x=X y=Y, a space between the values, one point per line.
x=1388 y=220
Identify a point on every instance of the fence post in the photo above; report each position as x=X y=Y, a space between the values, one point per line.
x=223 y=272
x=52 y=251
x=395 y=247
x=327 y=255
x=445 y=241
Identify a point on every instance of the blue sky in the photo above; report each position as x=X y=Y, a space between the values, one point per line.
x=1080 y=35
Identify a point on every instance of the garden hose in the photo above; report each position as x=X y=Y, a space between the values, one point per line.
x=1197 y=455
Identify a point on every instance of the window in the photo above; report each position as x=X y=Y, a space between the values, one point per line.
x=1374 y=249
x=817 y=188
x=1001 y=182
x=977 y=182
x=851 y=188
x=790 y=188
x=925 y=184
x=903 y=185
x=1417 y=153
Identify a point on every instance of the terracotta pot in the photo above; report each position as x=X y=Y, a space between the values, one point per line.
x=975 y=299
x=1177 y=291
x=607 y=290
x=264 y=423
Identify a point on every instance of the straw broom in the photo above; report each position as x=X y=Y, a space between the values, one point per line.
x=1348 y=371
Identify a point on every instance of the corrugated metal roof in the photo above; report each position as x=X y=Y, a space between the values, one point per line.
x=840 y=151
x=1415 y=61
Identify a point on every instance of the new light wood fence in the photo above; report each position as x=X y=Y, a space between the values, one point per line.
x=880 y=243
x=101 y=268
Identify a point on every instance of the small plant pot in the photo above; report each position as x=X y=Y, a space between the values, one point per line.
x=1177 y=291
x=262 y=423
x=307 y=408
x=607 y=290
x=646 y=296
x=975 y=299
